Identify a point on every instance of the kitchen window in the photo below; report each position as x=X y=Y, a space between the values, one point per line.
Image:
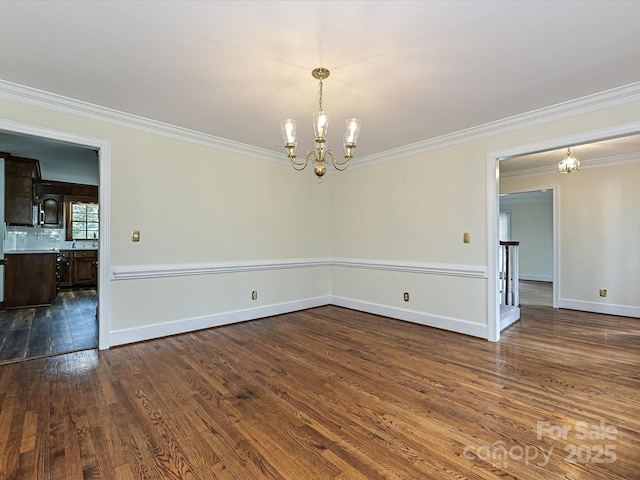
x=84 y=223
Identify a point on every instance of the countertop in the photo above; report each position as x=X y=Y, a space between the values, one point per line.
x=48 y=250
x=16 y=252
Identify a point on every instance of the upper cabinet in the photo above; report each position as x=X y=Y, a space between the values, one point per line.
x=51 y=211
x=78 y=191
x=32 y=201
x=21 y=178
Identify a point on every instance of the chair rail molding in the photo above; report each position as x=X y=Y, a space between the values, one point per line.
x=180 y=270
x=177 y=270
x=455 y=270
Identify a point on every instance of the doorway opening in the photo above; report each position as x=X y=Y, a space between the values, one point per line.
x=494 y=160
x=76 y=317
x=533 y=215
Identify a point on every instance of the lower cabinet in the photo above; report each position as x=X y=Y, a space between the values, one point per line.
x=65 y=271
x=77 y=268
x=30 y=279
x=85 y=267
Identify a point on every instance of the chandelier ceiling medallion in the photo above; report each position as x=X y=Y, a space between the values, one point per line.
x=320 y=126
x=569 y=163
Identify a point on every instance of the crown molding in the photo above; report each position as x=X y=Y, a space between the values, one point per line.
x=590 y=103
x=39 y=98
x=611 y=161
x=52 y=101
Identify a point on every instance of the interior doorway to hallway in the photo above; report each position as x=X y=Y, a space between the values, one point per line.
x=622 y=136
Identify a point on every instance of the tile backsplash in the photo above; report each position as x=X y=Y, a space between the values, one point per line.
x=33 y=238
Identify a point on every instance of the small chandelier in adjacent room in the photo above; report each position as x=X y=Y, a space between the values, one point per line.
x=320 y=125
x=569 y=163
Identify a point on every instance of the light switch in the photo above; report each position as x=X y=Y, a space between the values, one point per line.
x=135 y=236
x=466 y=238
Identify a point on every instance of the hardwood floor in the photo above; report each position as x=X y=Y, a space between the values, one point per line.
x=536 y=293
x=330 y=393
x=68 y=324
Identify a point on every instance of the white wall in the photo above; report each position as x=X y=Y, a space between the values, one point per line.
x=532 y=226
x=402 y=222
x=216 y=225
x=408 y=216
x=599 y=223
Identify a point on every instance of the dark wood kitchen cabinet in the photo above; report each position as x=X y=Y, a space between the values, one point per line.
x=85 y=267
x=77 y=268
x=30 y=279
x=21 y=178
x=51 y=211
x=65 y=272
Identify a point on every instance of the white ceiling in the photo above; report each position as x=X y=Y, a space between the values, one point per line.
x=410 y=71
x=613 y=151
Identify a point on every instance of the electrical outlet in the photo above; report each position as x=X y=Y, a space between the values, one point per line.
x=603 y=292
x=406 y=296
x=254 y=295
x=135 y=236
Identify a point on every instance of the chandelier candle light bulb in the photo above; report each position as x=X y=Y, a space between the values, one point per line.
x=352 y=127
x=320 y=126
x=289 y=134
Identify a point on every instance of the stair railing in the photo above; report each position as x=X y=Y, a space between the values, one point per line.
x=509 y=274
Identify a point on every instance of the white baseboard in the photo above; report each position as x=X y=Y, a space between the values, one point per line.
x=596 y=307
x=536 y=278
x=437 y=321
x=158 y=330
x=148 y=332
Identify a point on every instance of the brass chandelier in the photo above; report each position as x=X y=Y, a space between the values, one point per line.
x=569 y=163
x=320 y=155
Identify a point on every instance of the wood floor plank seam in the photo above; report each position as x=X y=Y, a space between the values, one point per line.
x=331 y=393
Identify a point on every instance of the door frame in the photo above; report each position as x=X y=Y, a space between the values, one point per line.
x=555 y=188
x=104 y=162
x=493 y=203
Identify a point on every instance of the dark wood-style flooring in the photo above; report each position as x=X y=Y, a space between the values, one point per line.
x=67 y=325
x=331 y=393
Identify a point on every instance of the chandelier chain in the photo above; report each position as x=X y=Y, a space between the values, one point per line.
x=320 y=95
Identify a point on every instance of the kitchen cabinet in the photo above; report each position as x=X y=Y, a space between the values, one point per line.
x=85 y=267
x=79 y=191
x=77 y=268
x=30 y=279
x=64 y=270
x=21 y=178
x=51 y=211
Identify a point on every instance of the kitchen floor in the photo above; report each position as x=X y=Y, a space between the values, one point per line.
x=69 y=324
